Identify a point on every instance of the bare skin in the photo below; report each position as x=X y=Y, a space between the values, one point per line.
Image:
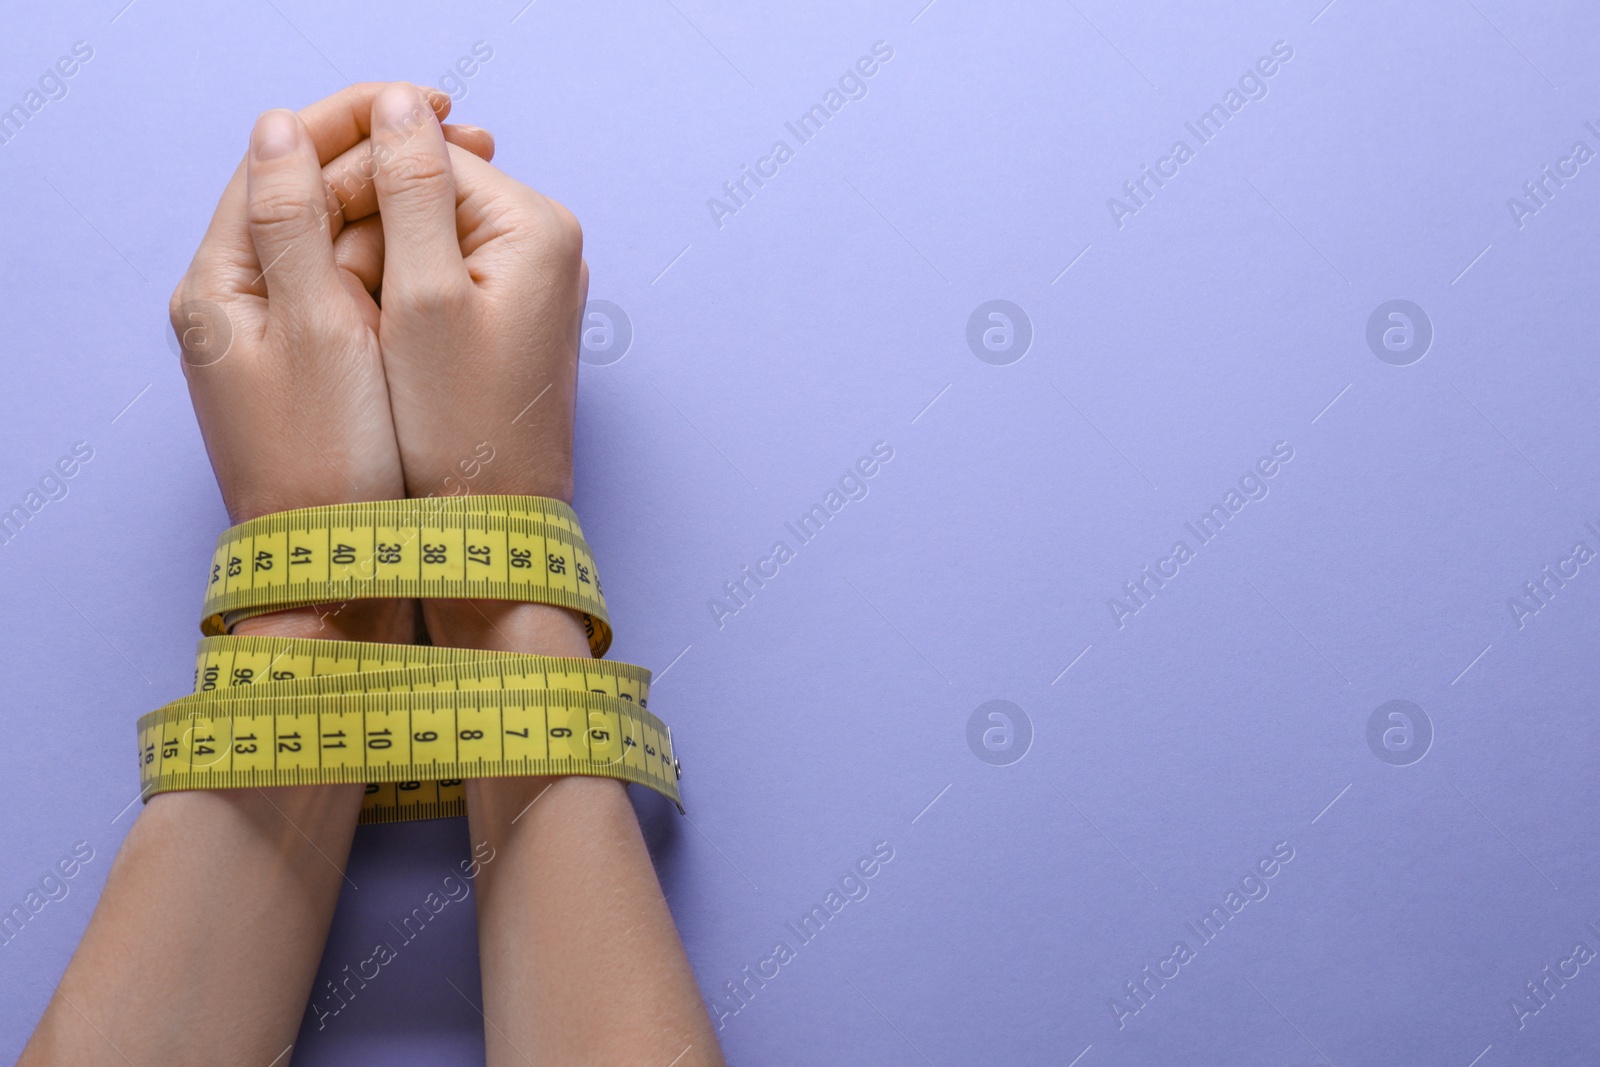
x=324 y=397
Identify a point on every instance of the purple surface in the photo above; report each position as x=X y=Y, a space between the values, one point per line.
x=830 y=311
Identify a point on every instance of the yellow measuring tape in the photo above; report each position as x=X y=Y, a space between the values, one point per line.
x=412 y=722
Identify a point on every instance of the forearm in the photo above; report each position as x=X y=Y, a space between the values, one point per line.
x=206 y=939
x=581 y=961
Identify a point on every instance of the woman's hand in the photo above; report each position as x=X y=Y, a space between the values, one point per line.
x=279 y=337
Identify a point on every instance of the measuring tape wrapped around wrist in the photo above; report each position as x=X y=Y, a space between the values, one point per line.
x=411 y=721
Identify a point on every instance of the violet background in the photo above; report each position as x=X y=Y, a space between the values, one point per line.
x=768 y=354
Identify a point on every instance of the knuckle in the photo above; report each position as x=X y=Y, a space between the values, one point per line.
x=435 y=297
x=282 y=209
x=566 y=232
x=202 y=329
x=176 y=305
x=405 y=171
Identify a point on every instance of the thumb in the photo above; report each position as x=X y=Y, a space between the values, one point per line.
x=416 y=193
x=285 y=212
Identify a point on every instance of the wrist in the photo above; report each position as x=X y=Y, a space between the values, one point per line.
x=503 y=810
x=390 y=622
x=505 y=626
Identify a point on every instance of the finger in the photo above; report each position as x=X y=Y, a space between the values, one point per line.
x=475 y=139
x=416 y=193
x=484 y=196
x=352 y=194
x=339 y=122
x=359 y=250
x=284 y=212
x=225 y=260
x=494 y=209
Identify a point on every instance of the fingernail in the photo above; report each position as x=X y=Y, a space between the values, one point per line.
x=276 y=135
x=396 y=108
